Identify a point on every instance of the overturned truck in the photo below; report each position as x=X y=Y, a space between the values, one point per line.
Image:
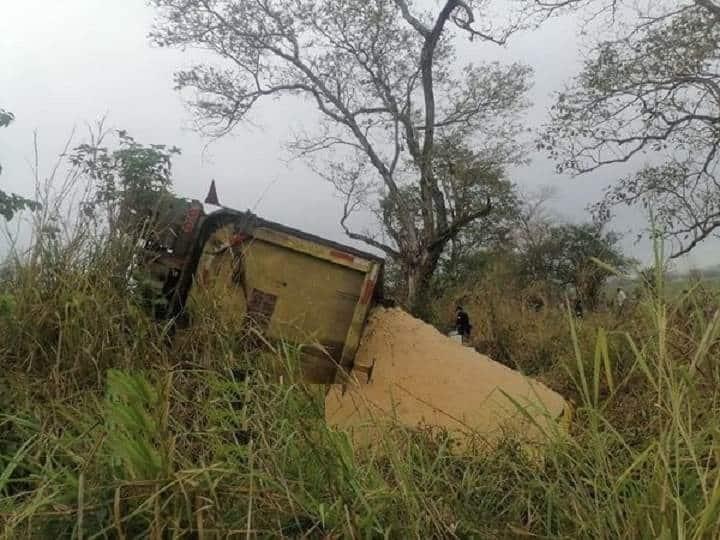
x=294 y=286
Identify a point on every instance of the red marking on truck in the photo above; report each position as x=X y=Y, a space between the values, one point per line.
x=367 y=291
x=342 y=256
x=239 y=238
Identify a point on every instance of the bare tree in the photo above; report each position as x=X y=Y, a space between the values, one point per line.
x=383 y=76
x=651 y=88
x=534 y=220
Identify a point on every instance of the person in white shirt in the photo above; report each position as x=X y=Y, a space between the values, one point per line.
x=620 y=299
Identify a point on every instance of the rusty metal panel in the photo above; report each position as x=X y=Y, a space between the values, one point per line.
x=362 y=308
x=336 y=256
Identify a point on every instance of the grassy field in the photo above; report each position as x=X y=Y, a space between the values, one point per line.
x=108 y=429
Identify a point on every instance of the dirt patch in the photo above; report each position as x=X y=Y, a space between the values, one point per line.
x=421 y=377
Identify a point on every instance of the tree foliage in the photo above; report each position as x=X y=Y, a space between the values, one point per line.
x=128 y=181
x=11 y=203
x=568 y=256
x=382 y=75
x=467 y=178
x=653 y=87
x=6 y=118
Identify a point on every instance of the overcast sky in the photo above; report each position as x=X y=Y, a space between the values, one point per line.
x=64 y=63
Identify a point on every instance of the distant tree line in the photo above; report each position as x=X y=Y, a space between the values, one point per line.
x=541 y=253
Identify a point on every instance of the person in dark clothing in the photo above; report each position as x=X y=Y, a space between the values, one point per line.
x=579 y=309
x=462 y=323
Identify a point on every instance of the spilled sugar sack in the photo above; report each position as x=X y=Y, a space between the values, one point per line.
x=421 y=377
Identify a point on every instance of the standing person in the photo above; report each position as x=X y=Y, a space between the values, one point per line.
x=579 y=311
x=620 y=299
x=462 y=323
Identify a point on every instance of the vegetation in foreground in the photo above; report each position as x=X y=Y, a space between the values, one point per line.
x=110 y=430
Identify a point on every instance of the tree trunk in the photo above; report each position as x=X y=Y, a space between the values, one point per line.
x=418 y=274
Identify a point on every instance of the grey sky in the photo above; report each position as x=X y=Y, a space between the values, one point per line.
x=65 y=63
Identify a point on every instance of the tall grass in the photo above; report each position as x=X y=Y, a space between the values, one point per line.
x=110 y=430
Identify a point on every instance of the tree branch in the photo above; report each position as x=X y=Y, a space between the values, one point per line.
x=458 y=225
x=348 y=208
x=467 y=22
x=410 y=18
